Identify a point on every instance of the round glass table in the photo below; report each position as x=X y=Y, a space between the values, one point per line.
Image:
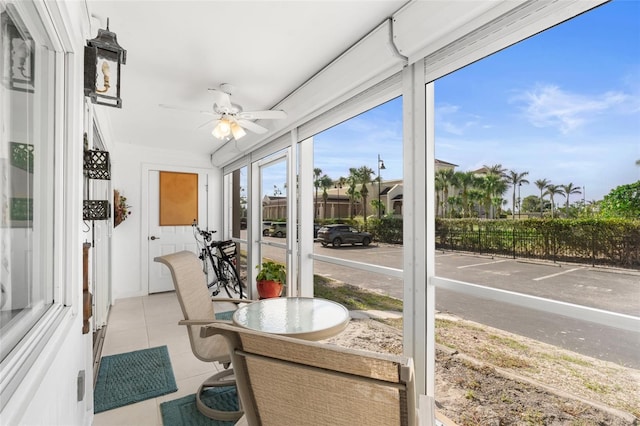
x=302 y=317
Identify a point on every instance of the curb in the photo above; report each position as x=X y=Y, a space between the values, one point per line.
x=373 y=314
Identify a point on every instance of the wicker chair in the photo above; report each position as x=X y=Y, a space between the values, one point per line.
x=197 y=308
x=287 y=381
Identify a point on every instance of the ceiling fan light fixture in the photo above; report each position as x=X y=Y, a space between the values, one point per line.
x=222 y=129
x=237 y=131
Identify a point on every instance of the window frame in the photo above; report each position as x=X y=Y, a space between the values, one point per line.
x=32 y=355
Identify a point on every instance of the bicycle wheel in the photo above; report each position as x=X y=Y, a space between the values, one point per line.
x=230 y=279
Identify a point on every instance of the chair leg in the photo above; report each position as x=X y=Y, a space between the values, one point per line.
x=217 y=380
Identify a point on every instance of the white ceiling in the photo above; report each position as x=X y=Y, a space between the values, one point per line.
x=269 y=49
x=176 y=50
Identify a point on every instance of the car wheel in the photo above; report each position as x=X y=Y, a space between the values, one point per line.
x=279 y=234
x=336 y=242
x=265 y=233
x=324 y=244
x=366 y=241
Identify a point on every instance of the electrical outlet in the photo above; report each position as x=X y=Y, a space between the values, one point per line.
x=80 y=385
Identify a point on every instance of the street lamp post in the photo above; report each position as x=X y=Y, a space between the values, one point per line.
x=380 y=167
x=338 y=186
x=277 y=193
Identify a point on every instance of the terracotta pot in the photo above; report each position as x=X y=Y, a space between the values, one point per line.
x=269 y=289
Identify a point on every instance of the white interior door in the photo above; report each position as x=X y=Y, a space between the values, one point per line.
x=169 y=239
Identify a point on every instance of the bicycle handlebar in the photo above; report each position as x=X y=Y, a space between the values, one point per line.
x=207 y=235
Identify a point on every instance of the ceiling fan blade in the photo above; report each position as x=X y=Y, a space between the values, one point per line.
x=257 y=115
x=181 y=108
x=221 y=98
x=250 y=125
x=207 y=122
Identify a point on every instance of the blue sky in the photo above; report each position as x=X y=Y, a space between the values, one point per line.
x=563 y=105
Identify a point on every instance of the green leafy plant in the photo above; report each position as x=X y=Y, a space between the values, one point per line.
x=272 y=271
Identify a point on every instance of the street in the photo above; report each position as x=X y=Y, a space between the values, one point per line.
x=607 y=289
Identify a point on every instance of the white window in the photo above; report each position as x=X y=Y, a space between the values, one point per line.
x=28 y=190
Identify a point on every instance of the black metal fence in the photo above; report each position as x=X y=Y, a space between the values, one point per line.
x=592 y=243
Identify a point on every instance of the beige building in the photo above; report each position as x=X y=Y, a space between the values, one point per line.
x=338 y=204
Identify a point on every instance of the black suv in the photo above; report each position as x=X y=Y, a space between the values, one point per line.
x=339 y=234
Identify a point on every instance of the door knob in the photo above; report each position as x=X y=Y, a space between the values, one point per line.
x=153 y=237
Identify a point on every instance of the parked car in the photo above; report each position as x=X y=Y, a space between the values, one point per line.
x=316 y=228
x=339 y=234
x=278 y=229
x=265 y=228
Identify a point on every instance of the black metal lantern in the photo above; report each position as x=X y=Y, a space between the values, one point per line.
x=102 y=59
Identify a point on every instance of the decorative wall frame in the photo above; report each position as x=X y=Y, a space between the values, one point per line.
x=178 y=198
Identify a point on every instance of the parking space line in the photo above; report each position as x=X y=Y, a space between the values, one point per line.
x=555 y=275
x=480 y=264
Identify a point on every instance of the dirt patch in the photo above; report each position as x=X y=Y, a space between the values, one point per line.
x=505 y=380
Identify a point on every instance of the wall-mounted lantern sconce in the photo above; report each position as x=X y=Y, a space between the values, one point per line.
x=102 y=59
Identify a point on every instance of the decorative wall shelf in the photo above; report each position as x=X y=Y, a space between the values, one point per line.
x=96 y=210
x=97 y=165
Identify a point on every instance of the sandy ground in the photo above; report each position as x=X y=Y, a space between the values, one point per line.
x=494 y=378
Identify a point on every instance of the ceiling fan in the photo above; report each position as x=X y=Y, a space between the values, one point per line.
x=229 y=118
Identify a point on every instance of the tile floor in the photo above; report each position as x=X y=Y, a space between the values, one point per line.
x=150 y=321
x=146 y=322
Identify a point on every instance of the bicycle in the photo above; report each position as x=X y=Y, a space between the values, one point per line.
x=218 y=263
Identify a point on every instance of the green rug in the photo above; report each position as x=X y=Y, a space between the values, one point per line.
x=227 y=316
x=183 y=411
x=133 y=377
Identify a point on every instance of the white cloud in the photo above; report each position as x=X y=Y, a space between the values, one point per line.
x=450 y=119
x=550 y=106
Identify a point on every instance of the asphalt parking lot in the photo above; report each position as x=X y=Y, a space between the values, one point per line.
x=608 y=289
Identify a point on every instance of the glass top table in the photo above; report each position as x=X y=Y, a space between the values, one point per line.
x=300 y=317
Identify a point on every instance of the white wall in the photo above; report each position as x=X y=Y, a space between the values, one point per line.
x=127 y=165
x=52 y=399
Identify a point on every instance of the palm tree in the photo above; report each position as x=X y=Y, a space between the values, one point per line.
x=542 y=185
x=439 y=184
x=353 y=194
x=553 y=190
x=475 y=199
x=496 y=169
x=516 y=179
x=364 y=177
x=568 y=190
x=492 y=184
x=316 y=183
x=325 y=183
x=464 y=182
x=455 y=202
x=339 y=183
x=446 y=176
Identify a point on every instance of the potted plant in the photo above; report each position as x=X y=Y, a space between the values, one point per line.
x=271 y=279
